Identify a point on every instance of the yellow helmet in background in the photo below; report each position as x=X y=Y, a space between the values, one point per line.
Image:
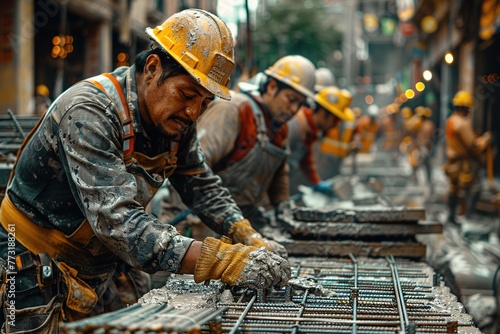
x=336 y=101
x=406 y=112
x=296 y=72
x=202 y=44
x=463 y=99
x=42 y=90
x=423 y=111
x=324 y=78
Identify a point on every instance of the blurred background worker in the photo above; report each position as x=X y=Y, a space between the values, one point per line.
x=424 y=143
x=245 y=139
x=367 y=127
x=308 y=126
x=411 y=124
x=337 y=141
x=391 y=130
x=464 y=154
x=83 y=241
x=41 y=101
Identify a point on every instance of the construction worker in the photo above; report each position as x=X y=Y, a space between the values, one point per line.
x=41 y=101
x=464 y=151
x=367 y=127
x=411 y=123
x=308 y=126
x=245 y=139
x=390 y=129
x=424 y=142
x=75 y=234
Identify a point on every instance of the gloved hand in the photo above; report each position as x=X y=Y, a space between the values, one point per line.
x=244 y=233
x=240 y=265
x=324 y=188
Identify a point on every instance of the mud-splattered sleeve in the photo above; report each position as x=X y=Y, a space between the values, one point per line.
x=201 y=189
x=90 y=146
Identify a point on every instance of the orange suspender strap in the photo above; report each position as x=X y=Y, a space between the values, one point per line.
x=111 y=87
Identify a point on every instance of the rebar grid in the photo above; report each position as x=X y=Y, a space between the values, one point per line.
x=351 y=296
x=331 y=296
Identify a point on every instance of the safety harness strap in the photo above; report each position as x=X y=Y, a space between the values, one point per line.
x=111 y=87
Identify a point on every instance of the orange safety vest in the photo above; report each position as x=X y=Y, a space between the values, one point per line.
x=337 y=139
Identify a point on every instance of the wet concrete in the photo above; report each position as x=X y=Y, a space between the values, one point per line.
x=181 y=292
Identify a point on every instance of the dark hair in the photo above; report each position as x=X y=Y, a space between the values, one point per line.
x=170 y=66
x=281 y=85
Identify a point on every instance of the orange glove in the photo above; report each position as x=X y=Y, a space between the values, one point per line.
x=244 y=233
x=240 y=265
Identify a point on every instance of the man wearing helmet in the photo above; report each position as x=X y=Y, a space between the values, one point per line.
x=367 y=127
x=75 y=234
x=245 y=140
x=331 y=106
x=463 y=153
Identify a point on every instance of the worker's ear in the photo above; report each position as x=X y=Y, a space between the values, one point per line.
x=153 y=64
x=272 y=86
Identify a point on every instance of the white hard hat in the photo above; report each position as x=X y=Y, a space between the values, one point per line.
x=253 y=83
x=372 y=110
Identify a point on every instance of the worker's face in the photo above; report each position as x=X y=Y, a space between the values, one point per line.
x=283 y=104
x=175 y=103
x=465 y=111
x=327 y=120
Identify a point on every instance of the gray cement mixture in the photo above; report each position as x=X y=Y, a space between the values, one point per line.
x=185 y=294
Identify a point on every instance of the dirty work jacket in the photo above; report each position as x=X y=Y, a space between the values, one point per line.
x=248 y=152
x=73 y=169
x=302 y=134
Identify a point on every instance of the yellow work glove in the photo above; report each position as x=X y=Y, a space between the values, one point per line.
x=244 y=233
x=240 y=265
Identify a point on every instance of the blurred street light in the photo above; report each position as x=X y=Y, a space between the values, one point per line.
x=448 y=57
x=427 y=75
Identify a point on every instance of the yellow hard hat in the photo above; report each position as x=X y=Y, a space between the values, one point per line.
x=463 y=99
x=428 y=112
x=391 y=109
x=423 y=111
x=42 y=90
x=406 y=112
x=295 y=71
x=336 y=101
x=419 y=110
x=201 y=43
x=324 y=78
